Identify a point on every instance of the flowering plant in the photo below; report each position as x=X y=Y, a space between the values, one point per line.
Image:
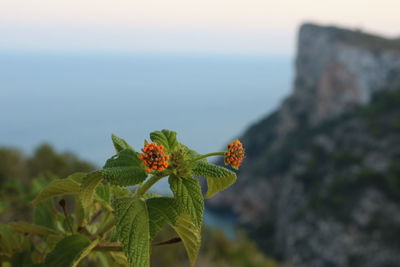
x=100 y=217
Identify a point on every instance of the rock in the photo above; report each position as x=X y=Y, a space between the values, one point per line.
x=321 y=182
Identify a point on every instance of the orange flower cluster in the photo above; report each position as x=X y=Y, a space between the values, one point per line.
x=153 y=157
x=235 y=154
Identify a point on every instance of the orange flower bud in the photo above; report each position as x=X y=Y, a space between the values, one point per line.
x=235 y=154
x=153 y=157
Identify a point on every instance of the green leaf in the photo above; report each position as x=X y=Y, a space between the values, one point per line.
x=85 y=252
x=103 y=196
x=24 y=259
x=127 y=157
x=164 y=210
x=124 y=169
x=67 y=186
x=190 y=153
x=68 y=252
x=119 y=143
x=51 y=241
x=166 y=138
x=11 y=241
x=124 y=176
x=25 y=227
x=132 y=223
x=190 y=233
x=44 y=215
x=161 y=210
x=81 y=214
x=88 y=188
x=187 y=192
x=104 y=192
x=218 y=178
x=118 y=191
x=77 y=177
x=106 y=224
x=118 y=259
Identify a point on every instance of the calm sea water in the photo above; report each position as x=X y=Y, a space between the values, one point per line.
x=75 y=101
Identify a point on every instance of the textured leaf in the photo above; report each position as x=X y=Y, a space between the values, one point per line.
x=118 y=191
x=218 y=178
x=187 y=192
x=104 y=204
x=124 y=169
x=67 y=186
x=119 y=143
x=166 y=138
x=132 y=222
x=68 y=251
x=127 y=157
x=25 y=227
x=190 y=233
x=161 y=210
x=88 y=188
x=81 y=214
x=124 y=176
x=190 y=153
x=164 y=210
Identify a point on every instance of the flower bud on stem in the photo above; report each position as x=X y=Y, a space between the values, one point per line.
x=209 y=155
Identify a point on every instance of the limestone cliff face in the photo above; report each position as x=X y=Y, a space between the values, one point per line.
x=339 y=69
x=317 y=170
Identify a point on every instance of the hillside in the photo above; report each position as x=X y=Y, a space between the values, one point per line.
x=321 y=182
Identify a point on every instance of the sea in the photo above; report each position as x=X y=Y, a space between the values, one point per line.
x=76 y=100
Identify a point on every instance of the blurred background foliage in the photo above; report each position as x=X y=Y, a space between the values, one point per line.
x=22 y=177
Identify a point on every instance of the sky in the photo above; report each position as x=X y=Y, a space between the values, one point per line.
x=182 y=26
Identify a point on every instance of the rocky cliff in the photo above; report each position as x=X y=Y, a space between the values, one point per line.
x=321 y=182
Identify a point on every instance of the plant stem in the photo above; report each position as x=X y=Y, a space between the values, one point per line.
x=167 y=242
x=95 y=216
x=149 y=183
x=112 y=246
x=63 y=204
x=209 y=155
x=116 y=246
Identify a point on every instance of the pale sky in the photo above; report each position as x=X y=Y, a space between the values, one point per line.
x=217 y=26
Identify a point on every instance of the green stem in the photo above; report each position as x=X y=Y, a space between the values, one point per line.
x=149 y=183
x=209 y=155
x=116 y=246
x=63 y=204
